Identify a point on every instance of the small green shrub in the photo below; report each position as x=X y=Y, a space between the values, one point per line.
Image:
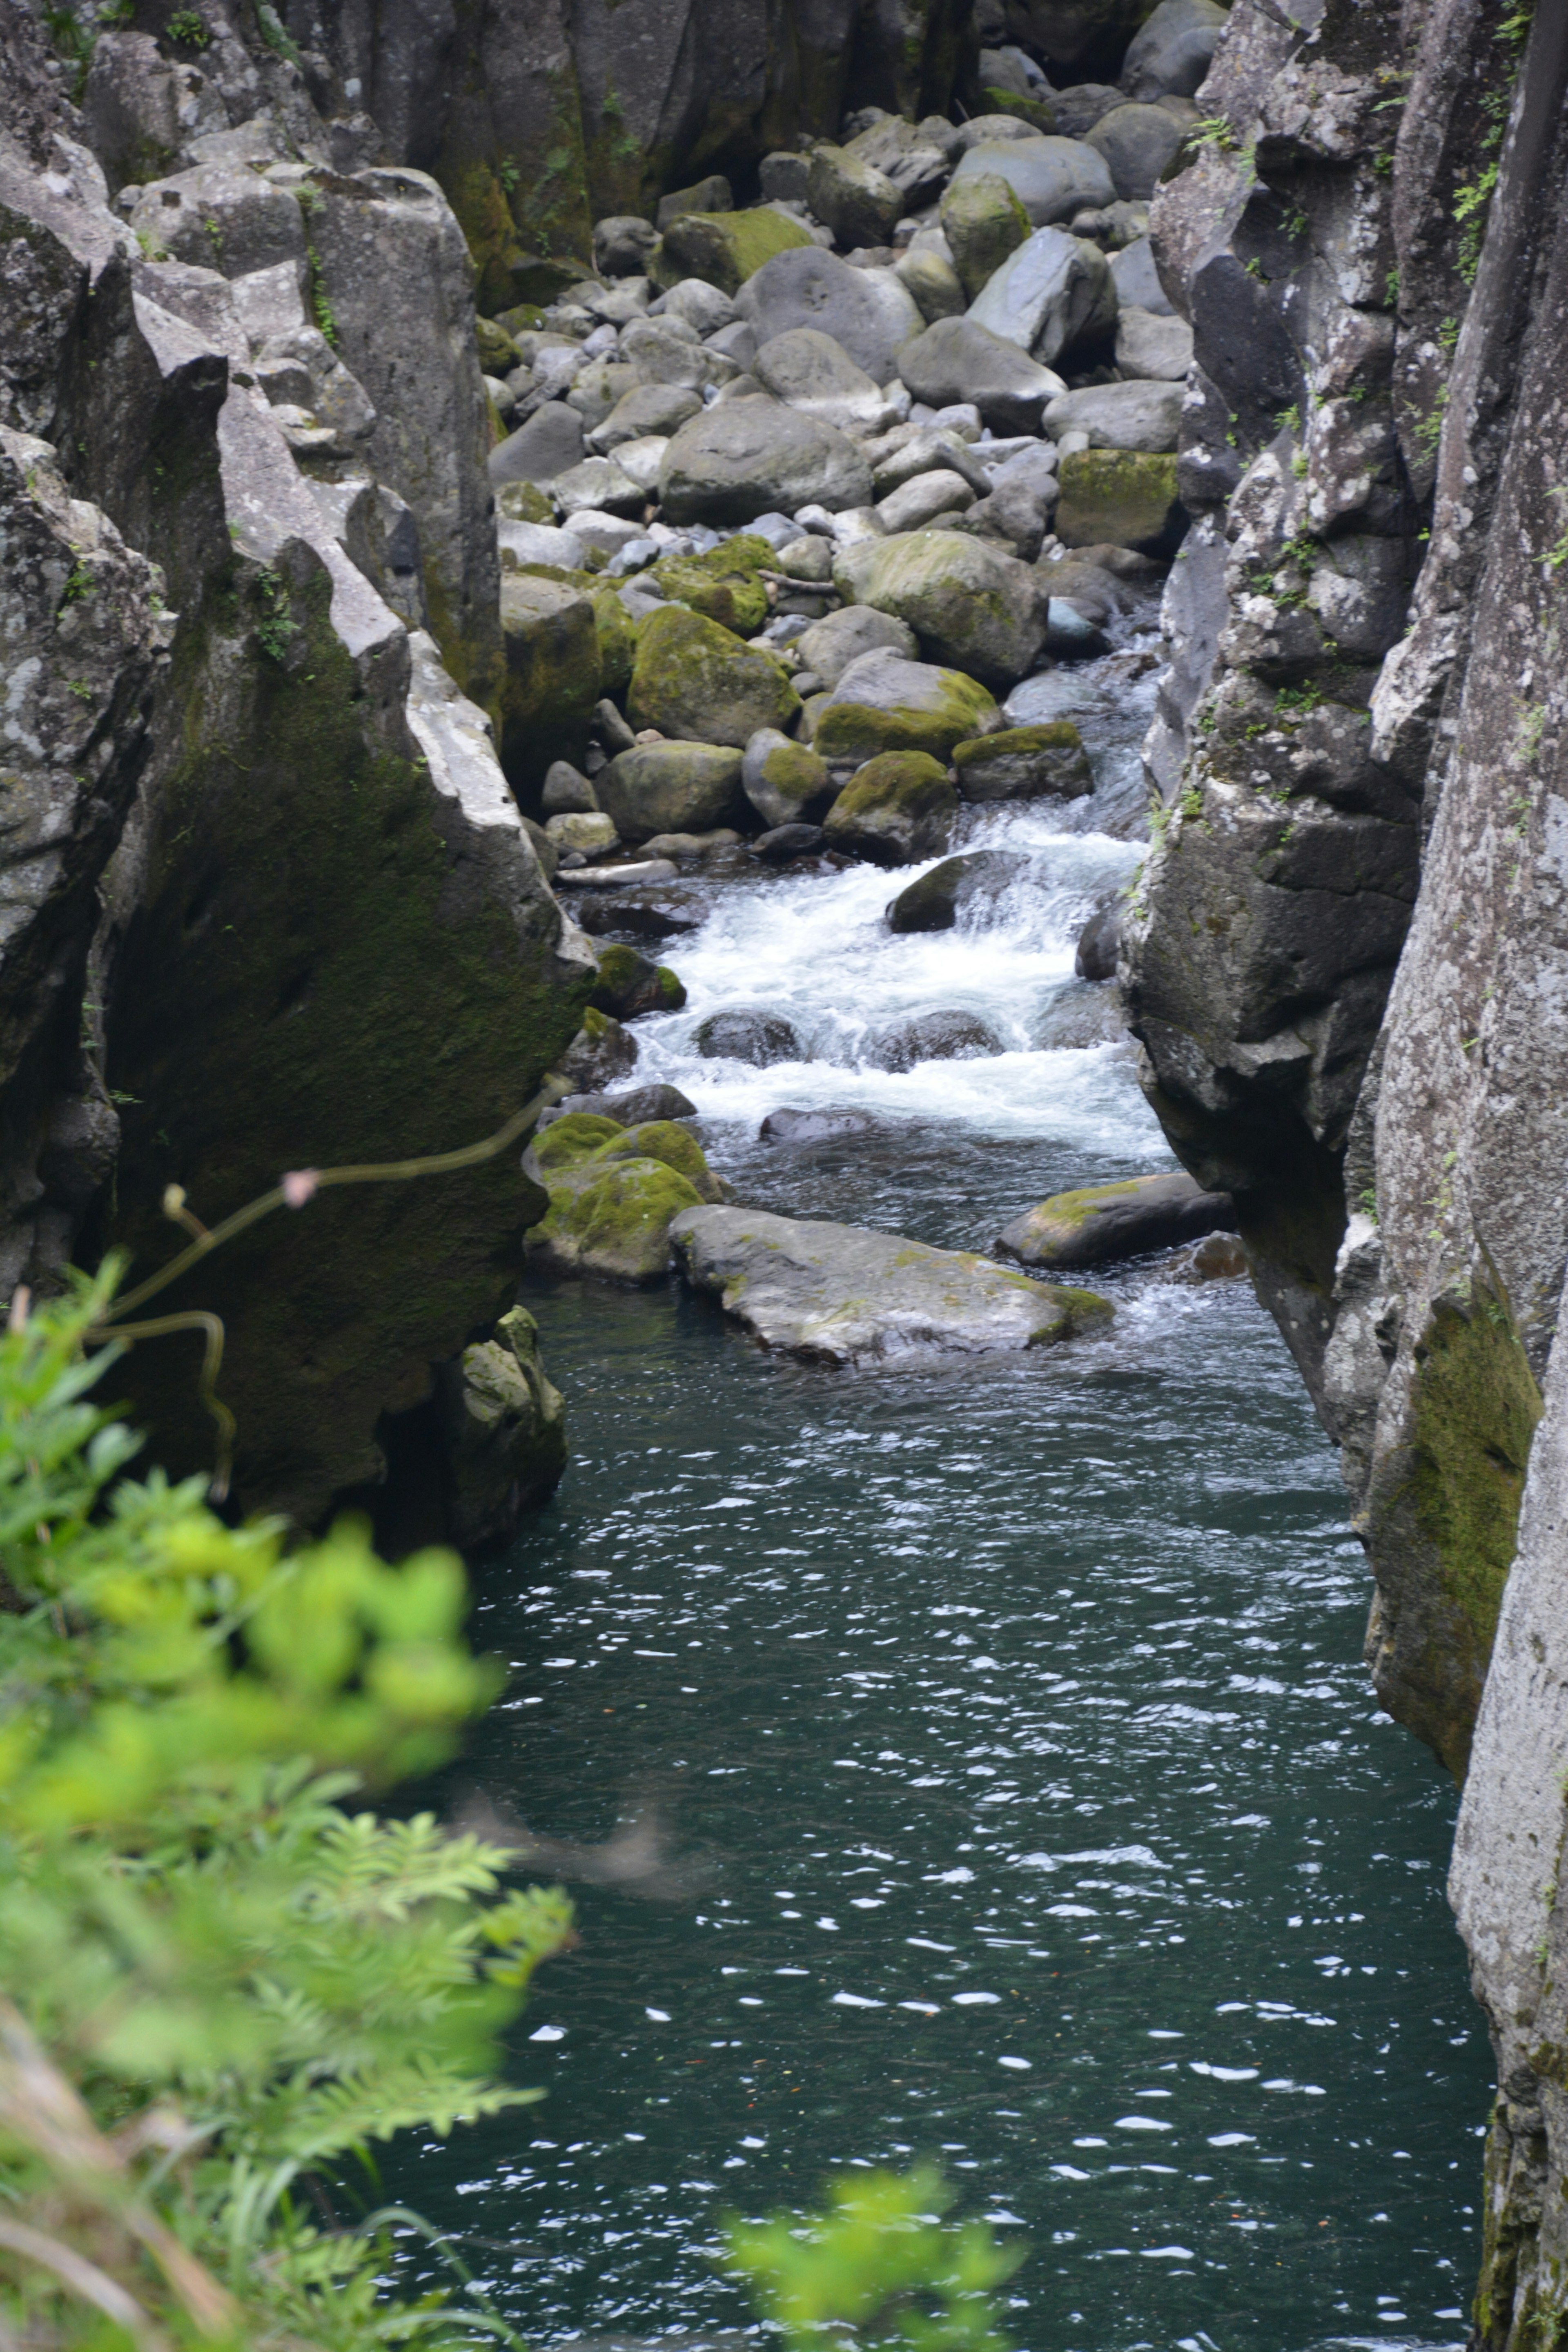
x=189 y=28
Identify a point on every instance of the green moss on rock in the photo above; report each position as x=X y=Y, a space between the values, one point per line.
x=553 y=677
x=1120 y=498
x=724 y=249
x=701 y=684
x=896 y=809
x=858 y=731
x=629 y=984
x=724 y=584
x=1019 y=762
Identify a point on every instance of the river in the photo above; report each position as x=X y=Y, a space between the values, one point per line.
x=1024 y=1799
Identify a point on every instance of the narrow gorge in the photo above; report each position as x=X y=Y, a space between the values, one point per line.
x=786 y=844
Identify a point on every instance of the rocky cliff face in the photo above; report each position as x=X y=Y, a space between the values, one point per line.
x=1347 y=964
x=268 y=900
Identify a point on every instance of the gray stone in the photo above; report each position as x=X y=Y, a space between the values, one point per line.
x=837 y=1293
x=597 y=483
x=1152 y=348
x=538 y=542
x=1052 y=178
x=883 y=702
x=783 y=842
x=709 y=195
x=633 y=1106
x=649 y=409
x=783 y=779
x=595 y=391
x=868 y=312
x=945 y=1036
x=930 y=277
x=737 y=342
x=913 y=156
x=896 y=810
x=923 y=499
x=622 y=245
x=956 y=359
x=703 y=308
x=808 y=1127
x=1172 y=51
x=1138 y=416
x=1082 y=104
x=937 y=901
x=783 y=176
x=746 y=457
x=747 y=1032
x=503 y=1433
x=566 y=792
x=668 y=350
x=996 y=129
x=983 y=221
x=1138 y=142
x=550 y=444
x=830 y=644
x=1048 y=295
x=1102 y=1222
x=858 y=203
x=810 y=372
x=670 y=788
x=1017 y=764
x=600 y=1052
x=972 y=607
x=1137 y=280
x=1100 y=941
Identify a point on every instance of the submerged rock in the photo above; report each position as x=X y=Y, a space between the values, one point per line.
x=816 y=1126
x=1102 y=1222
x=935 y=902
x=945 y=1036
x=837 y=1292
x=747 y=1032
x=503 y=1426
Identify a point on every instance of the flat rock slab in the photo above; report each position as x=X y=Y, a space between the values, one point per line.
x=1102 y=1222
x=844 y=1296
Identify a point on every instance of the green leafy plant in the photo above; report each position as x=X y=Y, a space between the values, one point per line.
x=326 y=318
x=880 y=2264
x=190 y=28
x=1213 y=130
x=270 y=27
x=277 y=625
x=219 y=1981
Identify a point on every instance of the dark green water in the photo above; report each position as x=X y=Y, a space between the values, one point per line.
x=1018 y=1714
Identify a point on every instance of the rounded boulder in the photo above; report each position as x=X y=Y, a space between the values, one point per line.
x=745 y=457
x=896 y=810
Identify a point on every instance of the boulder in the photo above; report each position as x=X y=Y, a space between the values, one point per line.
x=915 y=156
x=614 y=1192
x=1145 y=417
x=1122 y=497
x=667 y=350
x=783 y=779
x=551 y=443
x=503 y=1433
x=1052 y=178
x=599 y=487
x=884 y=702
x=647 y=409
x=601 y=1051
x=522 y=544
x=936 y=902
x=552 y=677
x=783 y=842
x=596 y=389
x=896 y=810
x=868 y=312
x=697 y=682
x=923 y=499
x=1138 y=142
x=830 y=644
x=713 y=195
x=957 y=359
x=1170 y=54
x=983 y=221
x=1079 y=1018
x=840 y=1294
x=748 y=1033
x=726 y=249
x=567 y=791
x=972 y=607
x=1025 y=763
x=810 y=372
x=1100 y=941
x=1138 y=285
x=782 y=177
x=704 y=308
x=1154 y=347
x=722 y=583
x=950 y=1035
x=995 y=129
x=670 y=788
x=589 y=831
x=1054 y=291
x=628 y=984
x=632 y=1108
x=1103 y=1223
x=621 y=244
x=805 y=1126
x=1015 y=516
x=858 y=203
x=931 y=278
x=752 y=457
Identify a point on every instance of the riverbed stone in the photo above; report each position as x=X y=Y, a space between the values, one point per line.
x=1100 y=941
x=550 y=444
x=830 y=644
x=812 y=375
x=721 y=584
x=1137 y=280
x=960 y=360
x=503 y=1428
x=929 y=276
x=923 y=498
x=628 y=984
x=971 y=606
x=1122 y=497
x=1102 y=1222
x=984 y=221
x=1054 y=291
x=1021 y=763
x=939 y=898
x=613 y=1194
x=1172 y=52
x=726 y=249
x=600 y=1052
x=1052 y=178
x=866 y=311
x=1138 y=416
x=883 y=702
x=952 y=1033
x=783 y=779
x=697 y=682
x=752 y=457
x=840 y=1294
x=685 y=787
x=552 y=679
x=894 y=810
x=748 y=1033
x=1152 y=346
x=859 y=204
x=1137 y=142
x=647 y=409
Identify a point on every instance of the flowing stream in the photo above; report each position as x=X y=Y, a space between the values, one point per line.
x=1016 y=1792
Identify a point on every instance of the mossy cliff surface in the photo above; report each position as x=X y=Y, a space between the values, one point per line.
x=1348 y=955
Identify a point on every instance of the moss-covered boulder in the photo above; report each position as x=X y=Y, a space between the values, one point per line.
x=616 y=636
x=785 y=781
x=552 y=679
x=724 y=249
x=984 y=221
x=498 y=353
x=884 y=703
x=503 y=1429
x=896 y=810
x=1102 y=1222
x=724 y=584
x=972 y=607
x=600 y=1052
x=671 y=788
x=613 y=1193
x=1121 y=498
x=629 y=984
x=693 y=679
x=859 y=204
x=1020 y=764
